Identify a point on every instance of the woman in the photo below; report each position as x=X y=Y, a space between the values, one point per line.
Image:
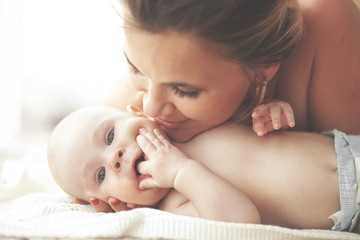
x=201 y=63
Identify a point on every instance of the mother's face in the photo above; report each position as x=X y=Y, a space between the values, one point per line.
x=188 y=89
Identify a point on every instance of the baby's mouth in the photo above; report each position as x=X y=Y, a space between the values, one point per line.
x=140 y=159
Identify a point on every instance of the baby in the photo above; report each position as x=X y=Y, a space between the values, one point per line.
x=227 y=173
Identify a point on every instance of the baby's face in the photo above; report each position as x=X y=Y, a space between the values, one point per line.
x=94 y=153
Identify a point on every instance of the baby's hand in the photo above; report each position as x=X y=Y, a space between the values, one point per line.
x=164 y=160
x=272 y=116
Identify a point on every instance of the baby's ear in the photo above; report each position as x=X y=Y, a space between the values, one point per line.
x=137 y=111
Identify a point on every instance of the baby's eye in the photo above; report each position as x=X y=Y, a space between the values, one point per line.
x=101 y=175
x=110 y=136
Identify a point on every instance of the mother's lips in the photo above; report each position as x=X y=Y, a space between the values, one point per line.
x=168 y=124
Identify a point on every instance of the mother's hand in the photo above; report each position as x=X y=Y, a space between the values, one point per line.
x=114 y=205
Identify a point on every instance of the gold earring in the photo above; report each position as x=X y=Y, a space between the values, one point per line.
x=261 y=90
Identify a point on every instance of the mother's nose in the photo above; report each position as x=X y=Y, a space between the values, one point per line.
x=156 y=103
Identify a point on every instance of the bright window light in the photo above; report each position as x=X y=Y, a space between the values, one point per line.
x=55 y=56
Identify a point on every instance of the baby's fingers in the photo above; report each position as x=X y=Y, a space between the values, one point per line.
x=161 y=137
x=289 y=115
x=145 y=144
x=259 y=126
x=275 y=113
x=144 y=167
x=152 y=138
x=260 y=111
x=147 y=182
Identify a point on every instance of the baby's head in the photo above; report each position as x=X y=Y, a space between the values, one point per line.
x=93 y=153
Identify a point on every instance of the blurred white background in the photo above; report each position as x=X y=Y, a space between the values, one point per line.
x=55 y=56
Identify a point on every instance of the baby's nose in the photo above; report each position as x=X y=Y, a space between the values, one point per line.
x=116 y=164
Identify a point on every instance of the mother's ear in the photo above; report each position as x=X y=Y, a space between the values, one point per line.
x=136 y=111
x=269 y=71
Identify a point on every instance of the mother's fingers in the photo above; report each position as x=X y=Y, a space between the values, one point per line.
x=117 y=205
x=79 y=201
x=100 y=206
x=113 y=205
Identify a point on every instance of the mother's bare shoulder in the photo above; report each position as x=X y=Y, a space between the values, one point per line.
x=325 y=17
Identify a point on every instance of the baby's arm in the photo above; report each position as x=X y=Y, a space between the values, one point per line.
x=272 y=116
x=211 y=196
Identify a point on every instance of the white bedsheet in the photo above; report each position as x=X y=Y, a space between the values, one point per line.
x=31 y=205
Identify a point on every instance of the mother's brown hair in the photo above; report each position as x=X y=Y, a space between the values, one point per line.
x=253 y=33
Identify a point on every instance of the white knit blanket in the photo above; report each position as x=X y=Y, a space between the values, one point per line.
x=32 y=206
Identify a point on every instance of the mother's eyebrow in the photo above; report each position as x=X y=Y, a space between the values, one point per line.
x=178 y=84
